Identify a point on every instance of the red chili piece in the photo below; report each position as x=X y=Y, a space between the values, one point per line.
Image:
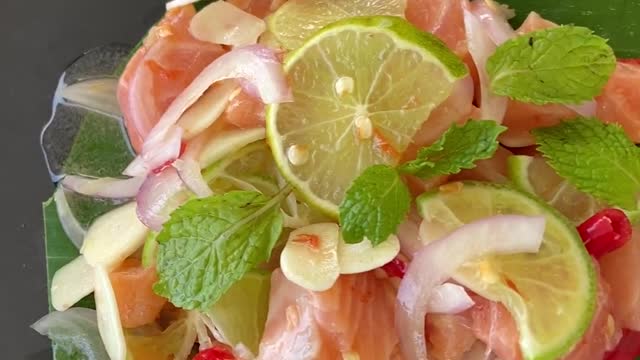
x=628 y=348
x=162 y=167
x=395 y=268
x=605 y=231
x=214 y=353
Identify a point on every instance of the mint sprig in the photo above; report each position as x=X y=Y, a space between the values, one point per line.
x=562 y=65
x=595 y=157
x=209 y=244
x=458 y=148
x=378 y=201
x=375 y=204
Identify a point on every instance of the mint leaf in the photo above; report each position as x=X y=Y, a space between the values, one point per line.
x=209 y=244
x=458 y=148
x=596 y=158
x=565 y=65
x=375 y=204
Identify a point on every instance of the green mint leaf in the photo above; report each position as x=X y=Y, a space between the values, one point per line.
x=596 y=158
x=458 y=148
x=375 y=204
x=565 y=65
x=209 y=244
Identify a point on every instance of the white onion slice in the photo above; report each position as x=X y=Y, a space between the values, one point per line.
x=70 y=224
x=109 y=188
x=157 y=153
x=109 y=323
x=177 y=3
x=449 y=298
x=481 y=46
x=94 y=94
x=223 y=23
x=159 y=196
x=191 y=174
x=437 y=261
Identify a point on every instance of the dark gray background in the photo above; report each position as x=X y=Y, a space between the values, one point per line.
x=38 y=39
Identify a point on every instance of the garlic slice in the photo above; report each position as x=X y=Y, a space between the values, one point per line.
x=71 y=283
x=109 y=323
x=113 y=237
x=310 y=258
x=363 y=256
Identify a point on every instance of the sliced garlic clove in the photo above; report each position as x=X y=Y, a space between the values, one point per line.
x=71 y=283
x=207 y=109
x=113 y=237
x=310 y=258
x=109 y=323
x=363 y=256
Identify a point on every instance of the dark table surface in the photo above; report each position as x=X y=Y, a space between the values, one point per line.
x=39 y=39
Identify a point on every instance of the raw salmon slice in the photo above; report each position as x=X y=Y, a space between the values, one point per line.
x=443 y=18
x=355 y=316
x=132 y=284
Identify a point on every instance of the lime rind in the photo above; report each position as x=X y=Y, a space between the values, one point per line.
x=425 y=49
x=518 y=171
x=494 y=197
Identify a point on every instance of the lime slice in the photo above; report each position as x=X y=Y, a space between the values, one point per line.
x=362 y=88
x=296 y=20
x=250 y=168
x=241 y=312
x=551 y=294
x=535 y=176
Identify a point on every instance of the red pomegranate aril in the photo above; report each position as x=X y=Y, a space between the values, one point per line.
x=605 y=232
x=395 y=268
x=628 y=348
x=215 y=353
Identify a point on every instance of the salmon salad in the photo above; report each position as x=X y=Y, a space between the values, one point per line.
x=346 y=180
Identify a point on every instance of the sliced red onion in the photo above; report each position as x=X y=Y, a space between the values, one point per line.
x=69 y=223
x=481 y=46
x=178 y=3
x=191 y=174
x=437 y=261
x=159 y=196
x=256 y=64
x=157 y=153
x=586 y=109
x=449 y=298
x=94 y=94
x=223 y=23
x=409 y=235
x=109 y=188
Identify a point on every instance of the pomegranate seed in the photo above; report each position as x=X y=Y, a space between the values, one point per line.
x=605 y=231
x=628 y=348
x=214 y=353
x=395 y=268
